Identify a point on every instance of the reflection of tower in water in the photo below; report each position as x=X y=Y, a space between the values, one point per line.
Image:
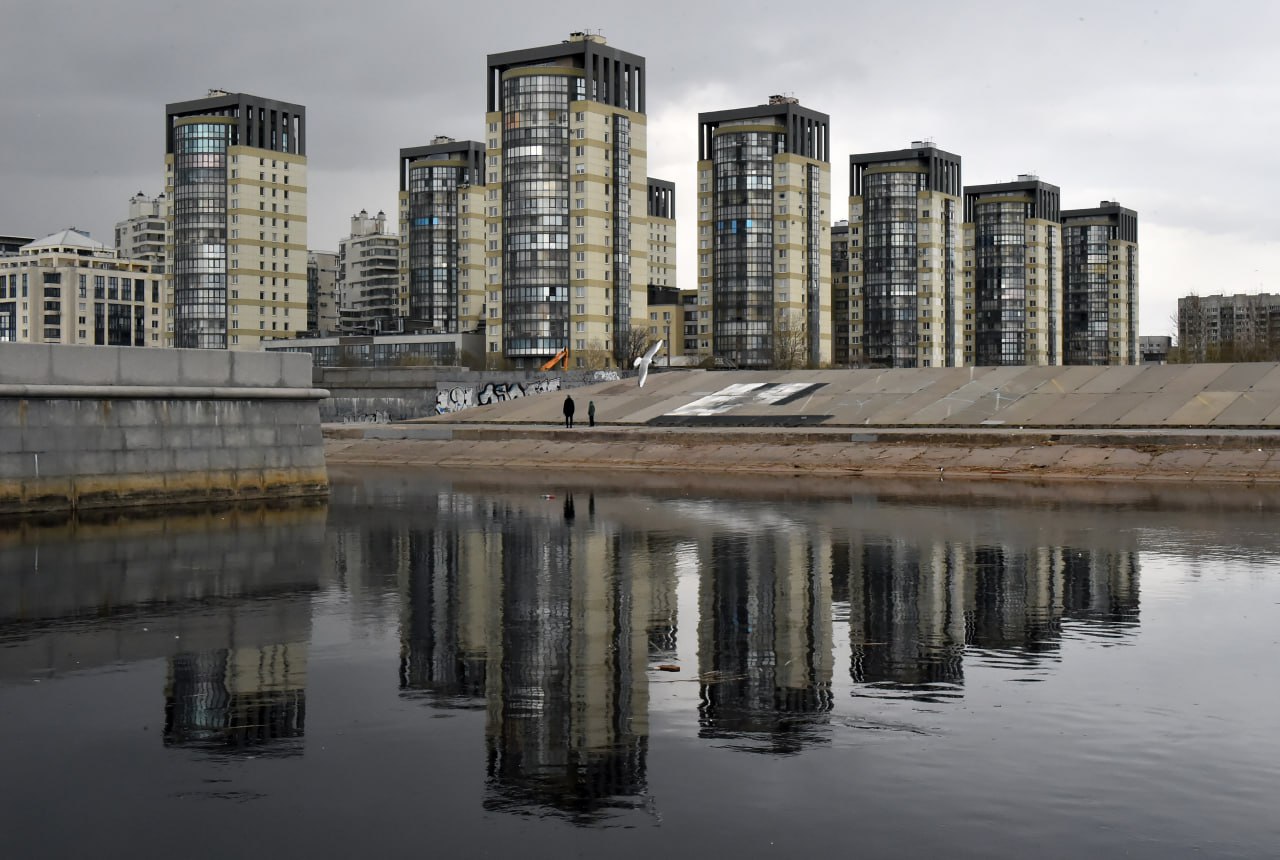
x=764 y=641
x=442 y=648
x=906 y=625
x=914 y=606
x=239 y=699
x=567 y=690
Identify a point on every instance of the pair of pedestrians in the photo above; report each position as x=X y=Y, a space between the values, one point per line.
x=569 y=409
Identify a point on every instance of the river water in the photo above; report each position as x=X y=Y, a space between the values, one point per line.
x=569 y=666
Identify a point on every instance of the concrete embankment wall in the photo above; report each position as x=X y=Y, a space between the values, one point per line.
x=385 y=394
x=1177 y=423
x=1187 y=395
x=88 y=427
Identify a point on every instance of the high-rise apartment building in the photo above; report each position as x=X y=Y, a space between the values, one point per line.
x=1013 y=273
x=442 y=236
x=565 y=237
x=141 y=236
x=764 y=242
x=369 y=277
x=662 y=233
x=236 y=182
x=1100 y=285
x=322 y=292
x=69 y=288
x=905 y=301
x=842 y=309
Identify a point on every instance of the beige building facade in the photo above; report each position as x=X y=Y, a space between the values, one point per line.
x=70 y=289
x=369 y=277
x=236 y=186
x=142 y=235
x=904 y=301
x=764 y=242
x=566 y=238
x=1100 y=285
x=322 y=292
x=442 y=237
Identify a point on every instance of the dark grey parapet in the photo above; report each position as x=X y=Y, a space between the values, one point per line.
x=88 y=427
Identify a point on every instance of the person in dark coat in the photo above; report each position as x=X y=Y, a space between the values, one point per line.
x=568 y=411
x=591 y=413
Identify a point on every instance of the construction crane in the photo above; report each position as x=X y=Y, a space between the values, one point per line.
x=562 y=355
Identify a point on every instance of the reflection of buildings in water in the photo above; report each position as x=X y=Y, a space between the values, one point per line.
x=906 y=626
x=234 y=700
x=447 y=595
x=764 y=639
x=568 y=696
x=1101 y=587
x=554 y=626
x=242 y=685
x=223 y=597
x=915 y=606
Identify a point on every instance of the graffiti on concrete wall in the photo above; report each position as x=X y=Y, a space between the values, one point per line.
x=464 y=396
x=380 y=417
x=455 y=399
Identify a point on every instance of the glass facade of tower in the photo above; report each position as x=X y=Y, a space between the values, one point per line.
x=535 y=223
x=1000 y=291
x=742 y=202
x=200 y=234
x=889 y=264
x=433 y=244
x=1087 y=300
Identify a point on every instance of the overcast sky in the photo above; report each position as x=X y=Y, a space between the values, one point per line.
x=1171 y=108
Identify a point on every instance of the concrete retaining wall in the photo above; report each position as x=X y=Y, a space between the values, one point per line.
x=86 y=427
x=384 y=394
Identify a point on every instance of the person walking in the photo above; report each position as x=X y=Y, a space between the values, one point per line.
x=591 y=413
x=568 y=411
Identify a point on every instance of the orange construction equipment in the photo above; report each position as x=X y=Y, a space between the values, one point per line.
x=562 y=355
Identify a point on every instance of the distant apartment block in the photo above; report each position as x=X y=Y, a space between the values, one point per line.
x=442 y=236
x=369 y=277
x=70 y=289
x=141 y=235
x=1222 y=328
x=236 y=180
x=764 y=242
x=905 y=300
x=1100 y=285
x=566 y=233
x=1013 y=273
x=322 y=293
x=1154 y=349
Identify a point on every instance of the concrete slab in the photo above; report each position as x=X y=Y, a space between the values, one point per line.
x=1249 y=409
x=26 y=363
x=1108 y=409
x=1204 y=407
x=1269 y=382
x=1065 y=411
x=201 y=367
x=1112 y=379
x=1155 y=410
x=90 y=365
x=1066 y=380
x=1240 y=377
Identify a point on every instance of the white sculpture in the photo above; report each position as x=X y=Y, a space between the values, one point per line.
x=645 y=360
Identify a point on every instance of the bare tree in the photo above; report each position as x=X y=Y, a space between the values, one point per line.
x=595 y=356
x=790 y=340
x=635 y=344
